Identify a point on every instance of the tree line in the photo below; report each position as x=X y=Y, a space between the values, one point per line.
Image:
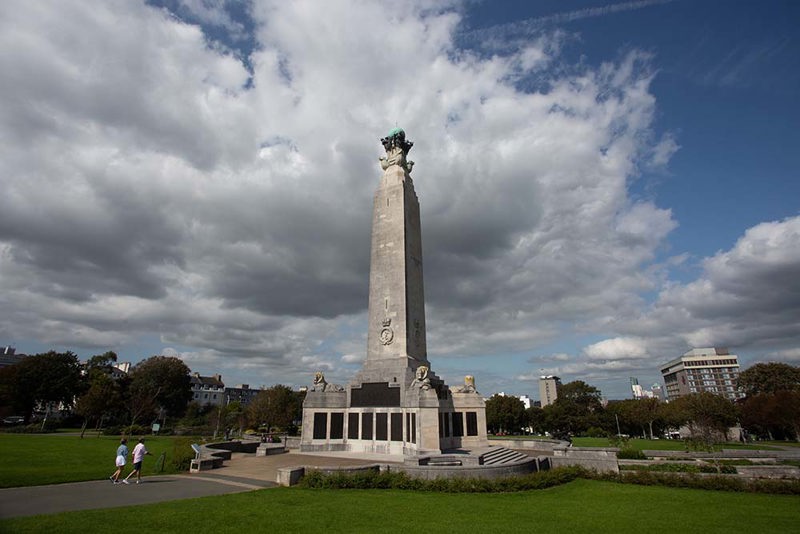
x=770 y=410
x=157 y=389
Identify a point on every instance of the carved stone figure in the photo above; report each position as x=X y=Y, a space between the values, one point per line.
x=320 y=384
x=469 y=385
x=421 y=379
x=397 y=149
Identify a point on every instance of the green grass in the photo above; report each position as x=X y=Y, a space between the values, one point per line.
x=782 y=443
x=580 y=506
x=660 y=444
x=36 y=459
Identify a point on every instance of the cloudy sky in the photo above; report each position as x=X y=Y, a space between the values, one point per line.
x=604 y=184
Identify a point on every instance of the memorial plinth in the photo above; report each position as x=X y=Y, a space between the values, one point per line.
x=396 y=404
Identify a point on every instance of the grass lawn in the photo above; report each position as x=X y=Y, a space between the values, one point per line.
x=660 y=444
x=36 y=459
x=580 y=506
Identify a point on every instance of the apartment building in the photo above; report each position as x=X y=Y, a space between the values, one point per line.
x=714 y=370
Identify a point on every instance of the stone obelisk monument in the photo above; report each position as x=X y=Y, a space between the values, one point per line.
x=396 y=404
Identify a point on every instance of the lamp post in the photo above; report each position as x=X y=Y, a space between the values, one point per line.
x=619 y=434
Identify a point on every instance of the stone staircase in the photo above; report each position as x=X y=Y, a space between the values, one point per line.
x=501 y=455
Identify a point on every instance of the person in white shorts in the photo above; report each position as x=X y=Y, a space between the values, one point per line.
x=122 y=457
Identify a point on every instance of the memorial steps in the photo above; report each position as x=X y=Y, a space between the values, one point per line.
x=501 y=455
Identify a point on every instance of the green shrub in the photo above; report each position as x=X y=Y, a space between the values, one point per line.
x=181 y=455
x=403 y=481
x=34 y=428
x=631 y=454
x=596 y=432
x=126 y=430
x=669 y=467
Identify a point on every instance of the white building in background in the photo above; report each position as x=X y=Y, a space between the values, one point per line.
x=714 y=370
x=120 y=369
x=208 y=390
x=526 y=400
x=548 y=389
x=656 y=392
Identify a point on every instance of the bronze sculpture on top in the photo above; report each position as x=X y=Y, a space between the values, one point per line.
x=396 y=404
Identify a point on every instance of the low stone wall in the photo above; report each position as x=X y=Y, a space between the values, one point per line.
x=768 y=471
x=432 y=472
x=325 y=447
x=268 y=449
x=248 y=447
x=205 y=464
x=601 y=460
x=290 y=476
x=545 y=446
x=730 y=454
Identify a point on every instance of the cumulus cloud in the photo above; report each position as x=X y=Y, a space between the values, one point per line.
x=747 y=297
x=157 y=185
x=616 y=349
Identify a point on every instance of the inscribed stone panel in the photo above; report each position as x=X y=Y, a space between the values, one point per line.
x=381 y=426
x=352 y=426
x=458 y=424
x=472 y=423
x=366 y=426
x=397 y=426
x=320 y=425
x=337 y=425
x=375 y=395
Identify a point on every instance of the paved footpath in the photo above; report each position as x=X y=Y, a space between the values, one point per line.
x=242 y=473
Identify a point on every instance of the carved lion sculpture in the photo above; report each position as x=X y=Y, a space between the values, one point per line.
x=320 y=384
x=469 y=385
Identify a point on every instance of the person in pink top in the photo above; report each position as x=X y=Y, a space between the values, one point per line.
x=139 y=452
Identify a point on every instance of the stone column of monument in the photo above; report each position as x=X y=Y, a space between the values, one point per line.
x=396 y=347
x=396 y=404
x=396 y=335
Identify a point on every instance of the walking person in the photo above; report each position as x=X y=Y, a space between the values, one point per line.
x=139 y=452
x=122 y=457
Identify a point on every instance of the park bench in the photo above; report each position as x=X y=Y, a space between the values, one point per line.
x=203 y=463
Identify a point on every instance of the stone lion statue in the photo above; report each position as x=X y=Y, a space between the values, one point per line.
x=469 y=385
x=320 y=384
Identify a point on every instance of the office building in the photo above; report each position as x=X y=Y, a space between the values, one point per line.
x=548 y=389
x=714 y=370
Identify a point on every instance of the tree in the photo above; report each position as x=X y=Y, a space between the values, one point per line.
x=48 y=379
x=535 y=419
x=576 y=409
x=769 y=378
x=708 y=416
x=642 y=412
x=103 y=398
x=773 y=415
x=277 y=406
x=673 y=414
x=789 y=418
x=770 y=408
x=158 y=382
x=100 y=364
x=505 y=414
x=580 y=393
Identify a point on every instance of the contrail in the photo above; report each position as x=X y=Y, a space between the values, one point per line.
x=529 y=25
x=590 y=12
